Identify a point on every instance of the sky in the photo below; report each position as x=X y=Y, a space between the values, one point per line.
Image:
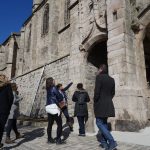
x=13 y=13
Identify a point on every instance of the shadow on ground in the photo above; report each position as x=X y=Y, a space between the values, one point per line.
x=28 y=136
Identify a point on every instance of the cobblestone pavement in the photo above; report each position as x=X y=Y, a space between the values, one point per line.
x=36 y=139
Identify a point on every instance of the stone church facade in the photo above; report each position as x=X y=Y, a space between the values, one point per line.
x=69 y=39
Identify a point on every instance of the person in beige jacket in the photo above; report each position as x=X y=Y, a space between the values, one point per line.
x=14 y=114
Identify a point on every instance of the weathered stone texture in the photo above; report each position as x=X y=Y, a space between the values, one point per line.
x=80 y=35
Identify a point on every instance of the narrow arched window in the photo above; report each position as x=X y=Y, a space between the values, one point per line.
x=45 y=20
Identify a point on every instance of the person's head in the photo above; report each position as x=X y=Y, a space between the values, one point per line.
x=14 y=86
x=3 y=80
x=50 y=82
x=103 y=69
x=80 y=86
x=59 y=86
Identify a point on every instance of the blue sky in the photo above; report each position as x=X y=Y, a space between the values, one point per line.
x=13 y=13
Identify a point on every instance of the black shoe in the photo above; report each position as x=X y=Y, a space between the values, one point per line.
x=1 y=145
x=51 y=141
x=59 y=142
x=82 y=135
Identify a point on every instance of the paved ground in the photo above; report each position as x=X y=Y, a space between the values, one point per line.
x=35 y=139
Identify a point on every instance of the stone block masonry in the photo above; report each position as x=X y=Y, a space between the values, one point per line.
x=31 y=86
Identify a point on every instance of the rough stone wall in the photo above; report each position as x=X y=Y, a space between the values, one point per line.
x=59 y=71
x=43 y=48
x=121 y=23
x=2 y=59
x=31 y=86
x=28 y=85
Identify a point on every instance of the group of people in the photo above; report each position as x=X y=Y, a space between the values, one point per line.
x=9 y=109
x=57 y=103
x=103 y=107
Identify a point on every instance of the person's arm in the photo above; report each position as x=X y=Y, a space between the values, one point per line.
x=113 y=89
x=68 y=86
x=74 y=98
x=88 y=98
x=59 y=96
x=17 y=99
x=97 y=89
x=10 y=96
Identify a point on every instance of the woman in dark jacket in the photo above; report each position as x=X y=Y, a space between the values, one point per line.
x=14 y=114
x=53 y=97
x=6 y=100
x=81 y=97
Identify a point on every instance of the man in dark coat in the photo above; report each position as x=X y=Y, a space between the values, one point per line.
x=6 y=100
x=103 y=106
x=81 y=97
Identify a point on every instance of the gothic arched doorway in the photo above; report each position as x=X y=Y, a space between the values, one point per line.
x=146 y=45
x=97 y=54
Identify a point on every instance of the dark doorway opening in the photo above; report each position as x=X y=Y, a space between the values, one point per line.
x=146 y=44
x=98 y=54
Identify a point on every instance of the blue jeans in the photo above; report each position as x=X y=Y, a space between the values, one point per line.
x=81 y=121
x=107 y=138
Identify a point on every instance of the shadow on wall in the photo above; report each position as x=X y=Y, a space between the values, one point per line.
x=126 y=122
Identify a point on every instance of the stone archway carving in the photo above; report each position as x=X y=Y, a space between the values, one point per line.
x=85 y=47
x=143 y=21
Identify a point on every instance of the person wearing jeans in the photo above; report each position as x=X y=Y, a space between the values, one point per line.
x=81 y=120
x=105 y=134
x=62 y=91
x=81 y=97
x=104 y=107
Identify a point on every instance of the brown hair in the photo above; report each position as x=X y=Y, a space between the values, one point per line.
x=58 y=85
x=49 y=82
x=80 y=86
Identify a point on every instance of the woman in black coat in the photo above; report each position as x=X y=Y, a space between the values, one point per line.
x=6 y=100
x=81 y=97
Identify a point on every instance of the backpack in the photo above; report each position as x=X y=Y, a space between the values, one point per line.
x=82 y=98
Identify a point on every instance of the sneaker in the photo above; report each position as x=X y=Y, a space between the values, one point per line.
x=1 y=145
x=82 y=135
x=112 y=146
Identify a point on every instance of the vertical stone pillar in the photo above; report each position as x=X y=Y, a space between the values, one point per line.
x=129 y=103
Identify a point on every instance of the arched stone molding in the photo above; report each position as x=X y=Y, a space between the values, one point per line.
x=144 y=20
